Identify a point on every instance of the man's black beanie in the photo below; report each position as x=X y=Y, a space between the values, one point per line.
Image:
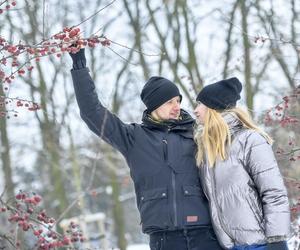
x=157 y=91
x=222 y=94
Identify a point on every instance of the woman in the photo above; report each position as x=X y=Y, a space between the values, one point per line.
x=240 y=177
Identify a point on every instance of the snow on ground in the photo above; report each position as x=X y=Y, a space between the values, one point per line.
x=138 y=247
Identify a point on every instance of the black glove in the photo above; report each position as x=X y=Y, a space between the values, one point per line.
x=79 y=60
x=281 y=245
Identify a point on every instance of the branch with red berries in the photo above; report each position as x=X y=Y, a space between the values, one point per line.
x=11 y=61
x=8 y=102
x=24 y=212
x=263 y=39
x=67 y=41
x=56 y=45
x=18 y=59
x=294 y=186
x=282 y=114
x=7 y=5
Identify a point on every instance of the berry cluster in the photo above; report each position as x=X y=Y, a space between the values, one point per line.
x=17 y=59
x=24 y=211
x=6 y=102
x=279 y=113
x=294 y=185
x=282 y=114
x=68 y=40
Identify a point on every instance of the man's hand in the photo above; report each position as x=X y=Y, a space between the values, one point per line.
x=79 y=60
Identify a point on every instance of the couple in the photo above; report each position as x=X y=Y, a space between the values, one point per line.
x=205 y=185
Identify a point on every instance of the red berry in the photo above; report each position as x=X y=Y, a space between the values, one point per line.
x=66 y=29
x=37 y=198
x=25 y=227
x=28 y=200
x=66 y=241
x=19 y=196
x=66 y=39
x=36 y=233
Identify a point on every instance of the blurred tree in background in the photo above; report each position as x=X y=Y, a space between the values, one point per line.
x=46 y=148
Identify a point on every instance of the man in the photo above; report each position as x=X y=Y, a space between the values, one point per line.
x=160 y=155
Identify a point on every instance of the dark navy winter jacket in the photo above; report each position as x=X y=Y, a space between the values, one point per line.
x=161 y=158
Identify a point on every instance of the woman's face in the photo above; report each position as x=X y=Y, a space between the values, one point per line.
x=200 y=112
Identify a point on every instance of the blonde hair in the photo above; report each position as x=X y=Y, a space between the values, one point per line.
x=214 y=137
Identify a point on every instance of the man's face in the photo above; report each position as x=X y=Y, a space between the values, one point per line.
x=168 y=110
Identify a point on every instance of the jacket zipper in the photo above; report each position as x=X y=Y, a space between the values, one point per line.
x=174 y=198
x=217 y=206
x=173 y=184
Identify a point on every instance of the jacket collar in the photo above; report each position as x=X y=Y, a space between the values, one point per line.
x=233 y=122
x=185 y=122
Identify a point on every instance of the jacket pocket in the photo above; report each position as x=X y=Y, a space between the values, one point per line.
x=257 y=212
x=195 y=206
x=153 y=208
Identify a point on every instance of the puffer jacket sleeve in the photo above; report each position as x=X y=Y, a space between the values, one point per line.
x=263 y=169
x=100 y=120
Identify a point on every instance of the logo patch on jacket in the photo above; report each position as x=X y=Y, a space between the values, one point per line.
x=192 y=218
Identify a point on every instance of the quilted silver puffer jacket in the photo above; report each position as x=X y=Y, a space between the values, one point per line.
x=247 y=197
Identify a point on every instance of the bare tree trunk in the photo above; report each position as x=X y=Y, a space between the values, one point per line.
x=5 y=152
x=276 y=50
x=76 y=169
x=192 y=63
x=49 y=133
x=118 y=213
x=228 y=40
x=135 y=24
x=173 y=64
x=247 y=63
